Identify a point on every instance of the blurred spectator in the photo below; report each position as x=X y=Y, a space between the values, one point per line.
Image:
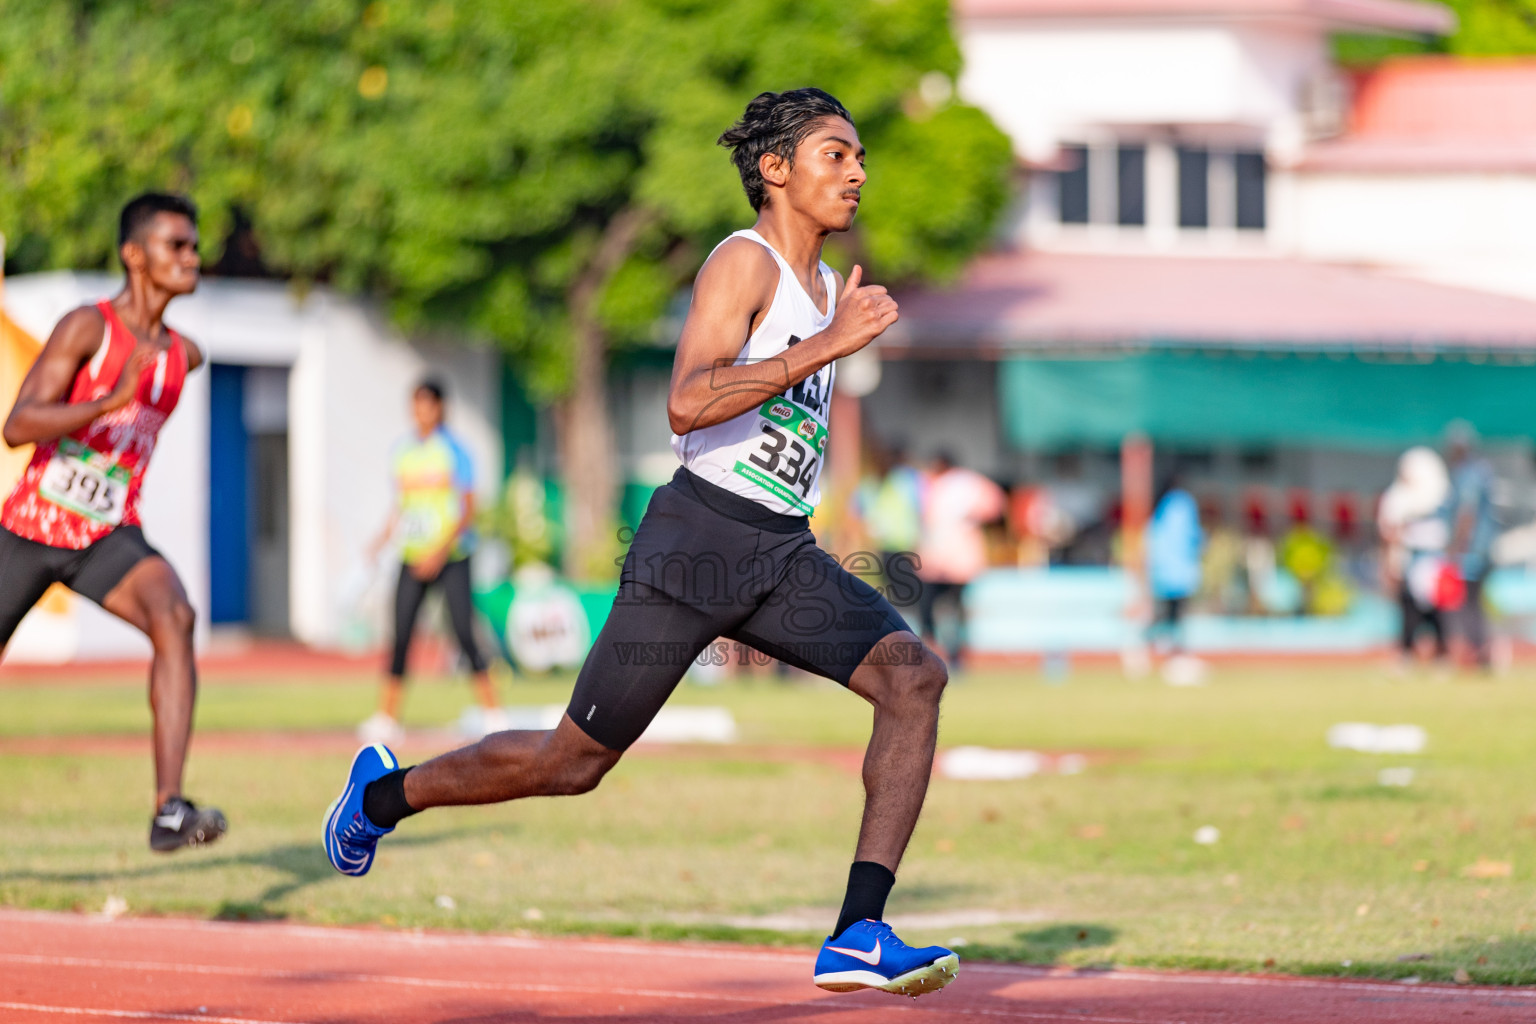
x=1308 y=555
x=1040 y=528
x=1304 y=553
x=1346 y=519
x=1222 y=580
x=1258 y=554
x=890 y=504
x=1473 y=528
x=957 y=503
x=1080 y=531
x=1174 y=543
x=1414 y=534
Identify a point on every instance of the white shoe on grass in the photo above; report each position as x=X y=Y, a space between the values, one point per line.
x=380 y=728
x=477 y=722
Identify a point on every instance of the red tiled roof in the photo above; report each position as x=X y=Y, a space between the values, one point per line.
x=1388 y=15
x=1446 y=98
x=1030 y=301
x=1432 y=114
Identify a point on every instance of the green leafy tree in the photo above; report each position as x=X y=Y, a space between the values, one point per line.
x=1493 y=27
x=541 y=174
x=1484 y=28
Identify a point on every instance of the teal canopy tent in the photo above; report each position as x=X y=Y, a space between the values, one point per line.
x=1201 y=396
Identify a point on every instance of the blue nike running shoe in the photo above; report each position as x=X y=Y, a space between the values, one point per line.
x=869 y=955
x=350 y=838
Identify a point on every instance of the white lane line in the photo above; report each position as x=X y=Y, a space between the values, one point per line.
x=825 y=1003
x=85 y=1011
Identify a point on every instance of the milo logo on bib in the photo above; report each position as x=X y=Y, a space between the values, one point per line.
x=788 y=460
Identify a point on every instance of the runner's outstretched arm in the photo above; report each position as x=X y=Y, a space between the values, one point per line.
x=40 y=412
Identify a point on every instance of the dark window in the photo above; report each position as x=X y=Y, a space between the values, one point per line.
x=1072 y=185
x=1250 y=190
x=1194 y=187
x=1258 y=461
x=1132 y=184
x=1194 y=460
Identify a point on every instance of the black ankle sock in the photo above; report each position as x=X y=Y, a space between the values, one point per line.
x=868 y=886
x=384 y=799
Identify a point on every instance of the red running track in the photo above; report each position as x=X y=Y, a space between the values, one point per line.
x=65 y=967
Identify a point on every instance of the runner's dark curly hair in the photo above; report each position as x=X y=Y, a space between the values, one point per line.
x=776 y=122
x=141 y=210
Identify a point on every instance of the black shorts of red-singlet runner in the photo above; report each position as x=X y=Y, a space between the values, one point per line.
x=705 y=564
x=28 y=569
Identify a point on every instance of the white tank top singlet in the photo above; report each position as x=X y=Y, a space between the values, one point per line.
x=773 y=454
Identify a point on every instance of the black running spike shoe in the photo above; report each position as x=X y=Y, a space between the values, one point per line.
x=180 y=822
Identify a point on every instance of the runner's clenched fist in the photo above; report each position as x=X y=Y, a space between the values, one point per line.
x=863 y=313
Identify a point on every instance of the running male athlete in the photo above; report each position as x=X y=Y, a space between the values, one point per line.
x=93 y=404
x=725 y=548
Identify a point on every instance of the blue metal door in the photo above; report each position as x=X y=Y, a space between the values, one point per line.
x=229 y=492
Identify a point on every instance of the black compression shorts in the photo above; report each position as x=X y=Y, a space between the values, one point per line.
x=28 y=569
x=706 y=563
x=453 y=578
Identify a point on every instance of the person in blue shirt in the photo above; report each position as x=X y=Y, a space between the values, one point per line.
x=1174 y=545
x=1474 y=525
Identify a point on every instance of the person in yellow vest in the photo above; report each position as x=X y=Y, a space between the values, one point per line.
x=433 y=516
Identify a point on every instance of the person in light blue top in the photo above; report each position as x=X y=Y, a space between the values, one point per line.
x=1474 y=525
x=1174 y=545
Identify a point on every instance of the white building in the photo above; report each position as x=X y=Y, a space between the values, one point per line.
x=273 y=473
x=1224 y=127
x=1164 y=120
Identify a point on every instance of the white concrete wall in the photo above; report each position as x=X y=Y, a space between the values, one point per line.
x=1471 y=230
x=1045 y=82
x=348 y=401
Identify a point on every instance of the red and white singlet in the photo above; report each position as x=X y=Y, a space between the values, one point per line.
x=80 y=487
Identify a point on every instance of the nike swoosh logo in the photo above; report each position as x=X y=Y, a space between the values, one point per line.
x=172 y=821
x=872 y=957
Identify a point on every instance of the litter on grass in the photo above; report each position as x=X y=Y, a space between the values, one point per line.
x=1377 y=739
x=691 y=725
x=1486 y=867
x=1071 y=764
x=1185 y=670
x=984 y=764
x=1395 y=777
x=671 y=725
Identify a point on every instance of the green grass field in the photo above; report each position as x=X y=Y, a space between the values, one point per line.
x=1319 y=869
